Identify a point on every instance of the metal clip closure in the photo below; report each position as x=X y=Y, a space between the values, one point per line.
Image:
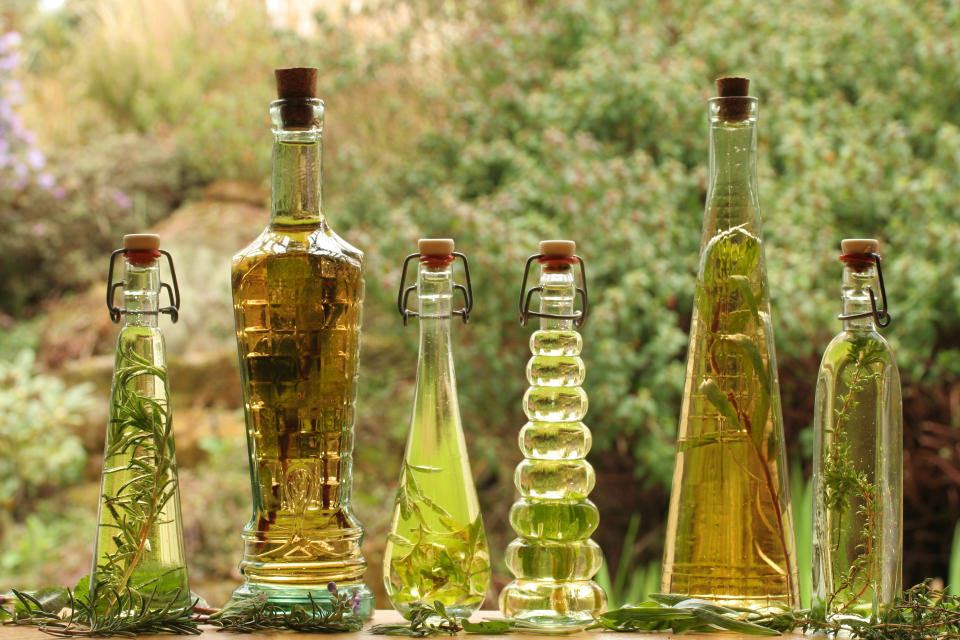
x=403 y=294
x=880 y=316
x=526 y=297
x=173 y=293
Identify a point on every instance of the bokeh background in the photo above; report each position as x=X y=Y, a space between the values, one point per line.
x=497 y=123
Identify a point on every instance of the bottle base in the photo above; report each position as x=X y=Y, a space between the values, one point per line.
x=287 y=598
x=553 y=607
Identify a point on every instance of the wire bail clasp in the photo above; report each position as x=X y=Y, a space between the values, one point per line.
x=526 y=297
x=173 y=293
x=880 y=316
x=403 y=295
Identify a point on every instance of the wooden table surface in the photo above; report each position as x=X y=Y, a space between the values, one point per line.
x=8 y=632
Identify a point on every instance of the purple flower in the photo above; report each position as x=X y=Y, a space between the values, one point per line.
x=39 y=229
x=59 y=192
x=10 y=61
x=35 y=158
x=45 y=181
x=10 y=40
x=124 y=202
x=20 y=170
x=332 y=587
x=355 y=601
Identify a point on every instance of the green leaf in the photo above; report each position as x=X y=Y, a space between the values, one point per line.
x=489 y=627
x=722 y=404
x=743 y=284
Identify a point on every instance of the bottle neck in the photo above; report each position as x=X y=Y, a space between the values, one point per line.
x=297 y=180
x=732 y=188
x=435 y=289
x=435 y=363
x=141 y=293
x=557 y=294
x=858 y=280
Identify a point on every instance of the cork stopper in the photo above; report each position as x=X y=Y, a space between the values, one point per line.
x=296 y=82
x=296 y=86
x=141 y=242
x=735 y=90
x=558 y=248
x=728 y=87
x=861 y=246
x=435 y=247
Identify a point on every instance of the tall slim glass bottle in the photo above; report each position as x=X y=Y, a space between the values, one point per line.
x=554 y=559
x=729 y=533
x=139 y=547
x=437 y=549
x=297 y=293
x=858 y=453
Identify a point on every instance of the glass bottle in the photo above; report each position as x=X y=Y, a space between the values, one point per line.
x=729 y=532
x=554 y=558
x=139 y=547
x=297 y=294
x=858 y=453
x=437 y=549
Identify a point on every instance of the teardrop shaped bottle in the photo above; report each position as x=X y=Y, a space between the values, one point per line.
x=858 y=454
x=139 y=549
x=437 y=549
x=554 y=559
x=729 y=533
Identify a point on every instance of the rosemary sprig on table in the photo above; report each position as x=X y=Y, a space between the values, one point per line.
x=258 y=614
x=65 y=612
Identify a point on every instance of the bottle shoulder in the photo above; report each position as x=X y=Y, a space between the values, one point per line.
x=869 y=347
x=311 y=242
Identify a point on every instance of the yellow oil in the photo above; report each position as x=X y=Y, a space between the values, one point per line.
x=298 y=292
x=730 y=532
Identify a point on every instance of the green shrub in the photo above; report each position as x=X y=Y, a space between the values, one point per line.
x=588 y=120
x=37 y=416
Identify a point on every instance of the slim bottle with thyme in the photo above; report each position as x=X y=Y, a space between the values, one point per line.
x=858 y=453
x=297 y=296
x=729 y=531
x=437 y=549
x=554 y=559
x=139 y=559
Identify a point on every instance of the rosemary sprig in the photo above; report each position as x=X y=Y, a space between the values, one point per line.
x=258 y=614
x=140 y=437
x=64 y=613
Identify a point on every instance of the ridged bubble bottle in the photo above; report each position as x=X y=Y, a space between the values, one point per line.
x=554 y=559
x=858 y=453
x=730 y=527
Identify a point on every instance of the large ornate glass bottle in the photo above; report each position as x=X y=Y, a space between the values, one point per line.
x=297 y=293
x=437 y=549
x=729 y=533
x=858 y=453
x=554 y=558
x=139 y=548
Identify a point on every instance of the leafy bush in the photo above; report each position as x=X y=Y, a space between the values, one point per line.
x=37 y=415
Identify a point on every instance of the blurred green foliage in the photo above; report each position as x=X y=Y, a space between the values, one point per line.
x=503 y=123
x=37 y=413
x=587 y=120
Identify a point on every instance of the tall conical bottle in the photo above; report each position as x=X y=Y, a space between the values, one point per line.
x=554 y=559
x=858 y=453
x=730 y=533
x=139 y=555
x=437 y=549
x=297 y=295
